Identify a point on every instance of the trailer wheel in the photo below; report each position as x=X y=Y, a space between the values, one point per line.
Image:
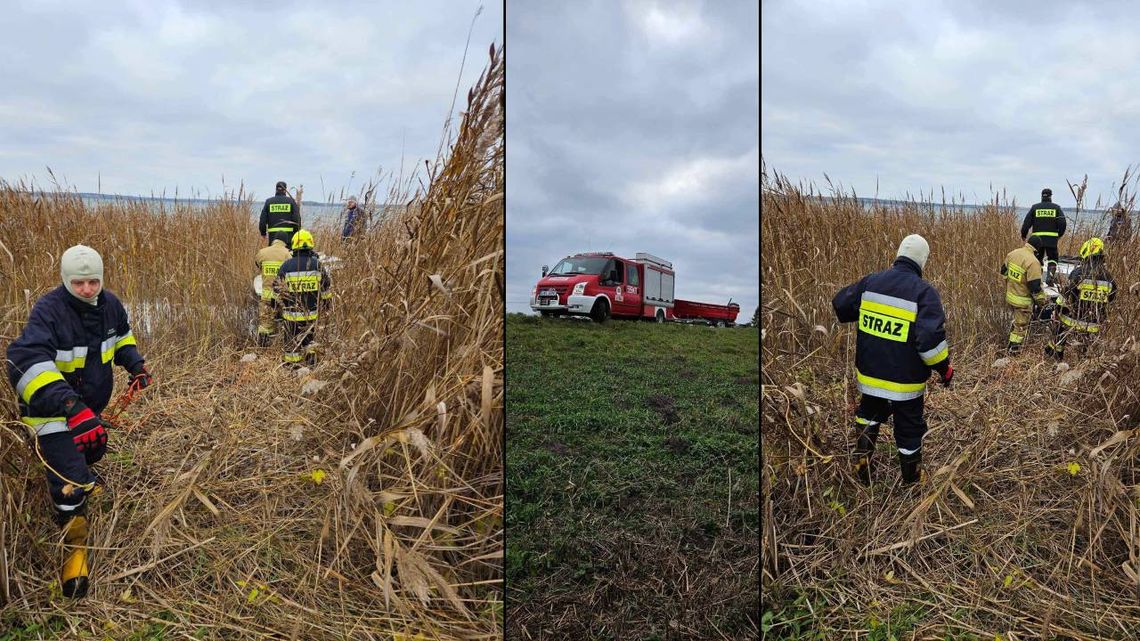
x=720 y=323
x=660 y=317
x=601 y=310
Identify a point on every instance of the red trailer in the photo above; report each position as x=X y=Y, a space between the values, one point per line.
x=602 y=284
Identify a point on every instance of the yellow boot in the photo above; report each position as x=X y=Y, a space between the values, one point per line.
x=73 y=577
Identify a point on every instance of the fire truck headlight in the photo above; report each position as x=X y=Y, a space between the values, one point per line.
x=534 y=295
x=579 y=289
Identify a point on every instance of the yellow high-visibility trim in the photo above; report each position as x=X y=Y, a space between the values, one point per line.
x=1018 y=301
x=889 y=385
x=889 y=310
x=1045 y=213
x=1080 y=326
x=123 y=342
x=882 y=326
x=1045 y=233
x=39 y=381
x=1016 y=338
x=937 y=358
x=1014 y=272
x=72 y=365
x=280 y=208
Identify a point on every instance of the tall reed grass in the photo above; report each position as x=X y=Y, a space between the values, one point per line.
x=362 y=500
x=1027 y=525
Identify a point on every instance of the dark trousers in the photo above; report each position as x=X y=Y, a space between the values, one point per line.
x=910 y=426
x=65 y=468
x=1051 y=252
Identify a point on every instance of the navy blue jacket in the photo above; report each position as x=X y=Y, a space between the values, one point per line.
x=301 y=284
x=66 y=350
x=902 y=333
x=353 y=222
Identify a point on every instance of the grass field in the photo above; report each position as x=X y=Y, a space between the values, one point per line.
x=1028 y=524
x=632 y=480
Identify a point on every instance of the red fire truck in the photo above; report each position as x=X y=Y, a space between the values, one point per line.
x=601 y=285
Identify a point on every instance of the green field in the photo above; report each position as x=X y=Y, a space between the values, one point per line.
x=632 y=480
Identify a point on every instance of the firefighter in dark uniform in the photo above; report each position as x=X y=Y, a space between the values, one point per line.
x=1083 y=303
x=61 y=369
x=901 y=339
x=280 y=217
x=1046 y=221
x=302 y=286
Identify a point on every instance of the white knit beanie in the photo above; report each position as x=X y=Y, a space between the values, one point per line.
x=915 y=248
x=81 y=262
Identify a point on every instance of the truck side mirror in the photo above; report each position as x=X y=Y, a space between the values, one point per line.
x=544 y=270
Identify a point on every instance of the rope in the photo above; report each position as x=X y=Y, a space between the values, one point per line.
x=109 y=418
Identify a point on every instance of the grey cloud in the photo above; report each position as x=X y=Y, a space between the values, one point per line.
x=958 y=95
x=230 y=88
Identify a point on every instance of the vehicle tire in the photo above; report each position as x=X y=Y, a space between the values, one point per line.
x=720 y=323
x=660 y=317
x=600 y=311
x=547 y=314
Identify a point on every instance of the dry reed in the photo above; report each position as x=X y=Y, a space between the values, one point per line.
x=1027 y=527
x=362 y=500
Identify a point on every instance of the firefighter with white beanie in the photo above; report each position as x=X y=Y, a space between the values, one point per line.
x=61 y=369
x=901 y=340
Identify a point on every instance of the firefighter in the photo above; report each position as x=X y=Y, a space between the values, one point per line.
x=901 y=339
x=1022 y=273
x=303 y=287
x=280 y=216
x=1083 y=303
x=1047 y=221
x=61 y=369
x=269 y=260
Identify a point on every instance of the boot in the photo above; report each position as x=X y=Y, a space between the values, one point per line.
x=911 y=467
x=73 y=576
x=263 y=339
x=1054 y=352
x=864 y=450
x=1014 y=348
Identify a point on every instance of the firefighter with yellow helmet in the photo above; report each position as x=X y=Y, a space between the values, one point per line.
x=302 y=285
x=1082 y=306
x=1022 y=273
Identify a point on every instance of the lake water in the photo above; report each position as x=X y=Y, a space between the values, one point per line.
x=310 y=211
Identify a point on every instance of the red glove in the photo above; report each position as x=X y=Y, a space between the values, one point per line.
x=947 y=376
x=87 y=430
x=140 y=377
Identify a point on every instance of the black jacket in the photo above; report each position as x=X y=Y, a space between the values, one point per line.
x=66 y=350
x=902 y=333
x=280 y=217
x=301 y=284
x=1047 y=220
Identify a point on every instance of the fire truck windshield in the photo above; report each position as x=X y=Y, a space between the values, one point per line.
x=578 y=265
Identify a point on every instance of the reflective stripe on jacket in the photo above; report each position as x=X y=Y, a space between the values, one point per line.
x=901 y=331
x=66 y=350
x=301 y=284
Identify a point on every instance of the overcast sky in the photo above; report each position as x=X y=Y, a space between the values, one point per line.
x=971 y=96
x=155 y=95
x=633 y=126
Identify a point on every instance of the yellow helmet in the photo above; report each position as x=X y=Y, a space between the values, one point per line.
x=302 y=239
x=1092 y=247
